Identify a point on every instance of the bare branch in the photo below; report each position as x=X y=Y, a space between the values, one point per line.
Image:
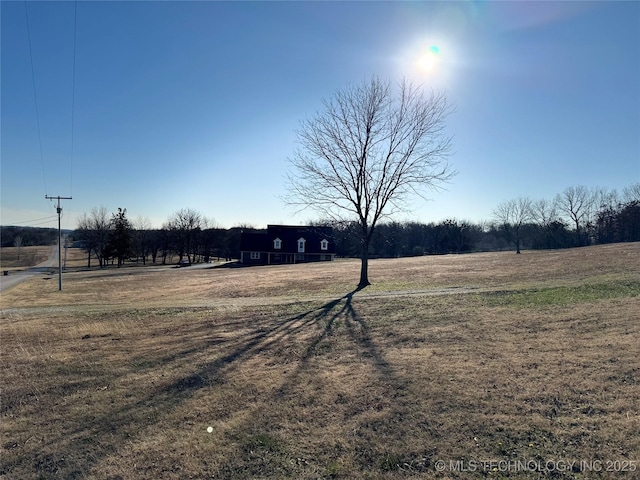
x=363 y=156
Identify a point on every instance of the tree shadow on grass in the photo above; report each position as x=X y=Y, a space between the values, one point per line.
x=262 y=340
x=378 y=443
x=99 y=436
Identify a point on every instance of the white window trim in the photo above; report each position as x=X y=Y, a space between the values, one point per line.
x=301 y=245
x=277 y=244
x=324 y=245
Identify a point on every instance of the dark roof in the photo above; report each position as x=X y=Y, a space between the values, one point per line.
x=289 y=235
x=253 y=241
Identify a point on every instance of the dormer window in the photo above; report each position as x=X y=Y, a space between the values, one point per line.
x=301 y=243
x=277 y=244
x=324 y=244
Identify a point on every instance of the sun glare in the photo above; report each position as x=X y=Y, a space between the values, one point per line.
x=428 y=60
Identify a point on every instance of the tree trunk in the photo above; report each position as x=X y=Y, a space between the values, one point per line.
x=364 y=266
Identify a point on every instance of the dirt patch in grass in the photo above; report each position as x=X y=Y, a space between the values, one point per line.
x=300 y=376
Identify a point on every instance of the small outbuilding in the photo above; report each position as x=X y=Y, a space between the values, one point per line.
x=281 y=244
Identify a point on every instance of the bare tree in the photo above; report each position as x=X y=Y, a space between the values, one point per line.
x=544 y=212
x=631 y=194
x=209 y=239
x=17 y=242
x=142 y=237
x=184 y=225
x=573 y=203
x=512 y=216
x=361 y=157
x=94 y=230
x=84 y=234
x=577 y=204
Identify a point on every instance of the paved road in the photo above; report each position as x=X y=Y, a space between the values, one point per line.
x=16 y=277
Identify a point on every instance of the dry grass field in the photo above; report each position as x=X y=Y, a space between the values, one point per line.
x=490 y=365
x=11 y=259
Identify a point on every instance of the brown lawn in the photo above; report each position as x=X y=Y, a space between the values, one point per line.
x=12 y=258
x=487 y=365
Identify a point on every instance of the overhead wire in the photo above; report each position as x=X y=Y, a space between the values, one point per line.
x=73 y=95
x=35 y=98
x=39 y=221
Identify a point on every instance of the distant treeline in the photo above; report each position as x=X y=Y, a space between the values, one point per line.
x=453 y=236
x=159 y=246
x=27 y=236
x=576 y=217
x=187 y=235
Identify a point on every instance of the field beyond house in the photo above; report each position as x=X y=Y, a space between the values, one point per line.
x=489 y=365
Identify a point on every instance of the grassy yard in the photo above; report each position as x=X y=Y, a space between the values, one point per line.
x=12 y=258
x=490 y=365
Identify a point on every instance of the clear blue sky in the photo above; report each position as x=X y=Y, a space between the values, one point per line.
x=195 y=104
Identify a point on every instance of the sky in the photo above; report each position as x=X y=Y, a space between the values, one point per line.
x=158 y=106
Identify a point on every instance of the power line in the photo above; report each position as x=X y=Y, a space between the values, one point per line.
x=73 y=93
x=38 y=221
x=35 y=98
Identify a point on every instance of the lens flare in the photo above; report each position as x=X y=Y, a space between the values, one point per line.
x=429 y=60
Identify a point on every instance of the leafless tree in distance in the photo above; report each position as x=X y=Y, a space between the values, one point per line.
x=95 y=231
x=577 y=204
x=512 y=216
x=368 y=149
x=631 y=194
x=142 y=237
x=544 y=212
x=17 y=242
x=185 y=224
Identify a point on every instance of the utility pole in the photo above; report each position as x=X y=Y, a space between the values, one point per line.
x=59 y=208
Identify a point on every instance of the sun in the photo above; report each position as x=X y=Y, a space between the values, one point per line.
x=429 y=59
x=432 y=60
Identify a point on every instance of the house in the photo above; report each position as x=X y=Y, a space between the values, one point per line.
x=287 y=244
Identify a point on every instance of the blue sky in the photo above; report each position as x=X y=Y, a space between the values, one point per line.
x=195 y=104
